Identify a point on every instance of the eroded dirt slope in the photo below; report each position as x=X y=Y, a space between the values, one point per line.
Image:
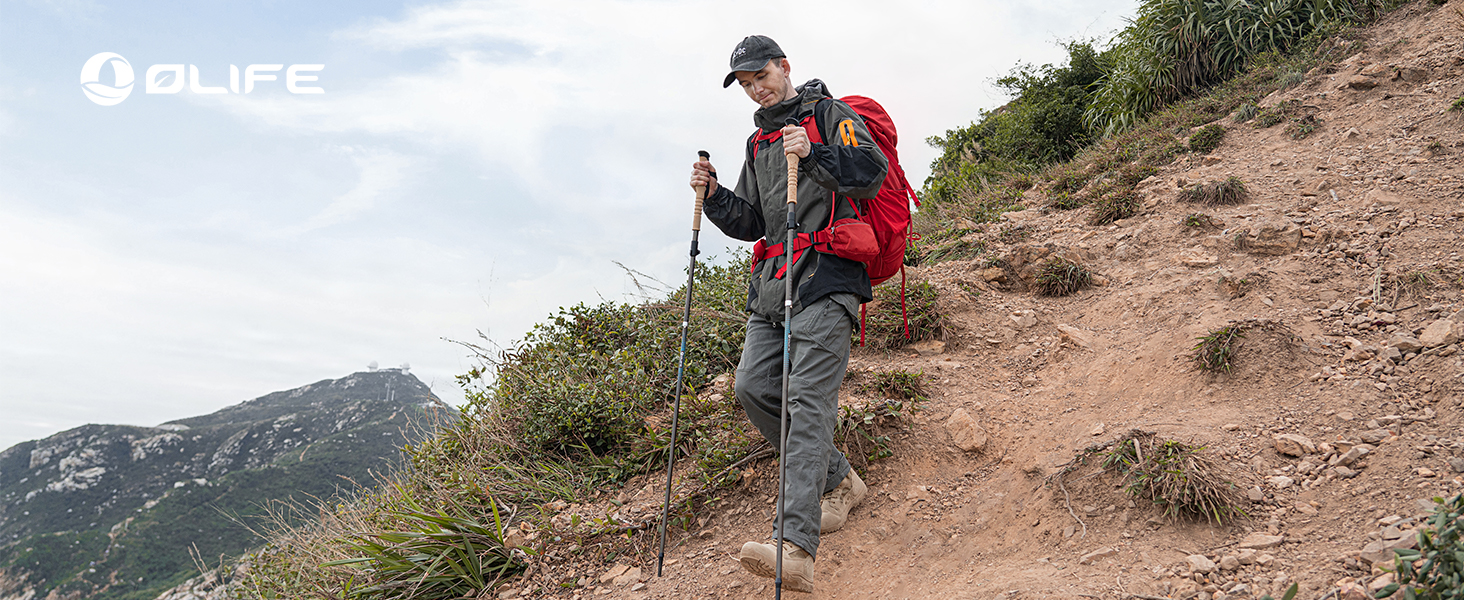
x=1329 y=248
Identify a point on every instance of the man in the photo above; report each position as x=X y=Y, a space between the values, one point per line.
x=829 y=290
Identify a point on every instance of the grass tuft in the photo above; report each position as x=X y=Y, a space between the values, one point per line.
x=1246 y=112
x=1058 y=276
x=1231 y=190
x=1064 y=200
x=1290 y=79
x=1458 y=104
x=1115 y=206
x=1217 y=349
x=1176 y=476
x=1278 y=114
x=1207 y=138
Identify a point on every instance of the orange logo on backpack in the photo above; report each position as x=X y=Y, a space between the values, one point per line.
x=846 y=133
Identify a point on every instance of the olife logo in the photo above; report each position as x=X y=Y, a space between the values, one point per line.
x=171 y=78
x=101 y=93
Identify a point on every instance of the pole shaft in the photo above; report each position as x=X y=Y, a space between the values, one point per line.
x=701 y=194
x=788 y=280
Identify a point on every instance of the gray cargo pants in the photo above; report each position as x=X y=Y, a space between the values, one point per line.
x=820 y=355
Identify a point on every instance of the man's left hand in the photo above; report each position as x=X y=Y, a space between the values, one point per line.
x=795 y=141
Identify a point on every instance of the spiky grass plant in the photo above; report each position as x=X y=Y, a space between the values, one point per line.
x=1207 y=138
x=1246 y=112
x=431 y=555
x=1058 y=276
x=1176 y=46
x=1458 y=104
x=1230 y=190
x=1217 y=349
x=1175 y=476
x=1115 y=206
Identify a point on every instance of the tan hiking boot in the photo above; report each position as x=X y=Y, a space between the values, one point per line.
x=837 y=504
x=761 y=560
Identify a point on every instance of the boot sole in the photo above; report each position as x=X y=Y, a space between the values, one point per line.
x=790 y=580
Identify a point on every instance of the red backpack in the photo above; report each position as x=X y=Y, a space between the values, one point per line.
x=887 y=215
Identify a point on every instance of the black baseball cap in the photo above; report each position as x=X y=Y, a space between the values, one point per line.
x=752 y=54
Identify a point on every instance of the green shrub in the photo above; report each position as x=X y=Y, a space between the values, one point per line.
x=1435 y=571
x=1458 y=104
x=1207 y=139
x=1199 y=220
x=584 y=379
x=1058 y=276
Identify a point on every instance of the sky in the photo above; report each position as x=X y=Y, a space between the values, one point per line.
x=466 y=168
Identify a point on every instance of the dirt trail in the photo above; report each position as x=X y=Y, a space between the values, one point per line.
x=1335 y=224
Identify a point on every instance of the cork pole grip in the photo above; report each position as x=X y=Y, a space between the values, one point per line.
x=792 y=178
x=701 y=195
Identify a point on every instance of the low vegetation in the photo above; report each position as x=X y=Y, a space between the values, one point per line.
x=1175 y=476
x=1058 y=276
x=890 y=324
x=1230 y=190
x=1217 y=349
x=1207 y=138
x=1199 y=221
x=1115 y=206
x=1434 y=571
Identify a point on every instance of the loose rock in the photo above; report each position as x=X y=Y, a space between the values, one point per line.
x=965 y=432
x=1292 y=444
x=1097 y=554
x=1261 y=541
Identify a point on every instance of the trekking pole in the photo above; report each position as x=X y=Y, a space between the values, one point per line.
x=787 y=360
x=701 y=195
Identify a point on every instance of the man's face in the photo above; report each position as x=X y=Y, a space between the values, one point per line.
x=768 y=86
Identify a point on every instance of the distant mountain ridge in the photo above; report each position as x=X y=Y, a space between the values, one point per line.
x=113 y=511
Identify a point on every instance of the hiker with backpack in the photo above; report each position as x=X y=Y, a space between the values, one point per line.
x=840 y=169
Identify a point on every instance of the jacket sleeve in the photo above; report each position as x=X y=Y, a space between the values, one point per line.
x=848 y=161
x=733 y=212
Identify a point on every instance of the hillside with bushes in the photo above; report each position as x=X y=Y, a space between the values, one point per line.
x=117 y=511
x=1187 y=322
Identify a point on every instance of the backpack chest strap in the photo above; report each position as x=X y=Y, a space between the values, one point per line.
x=766 y=138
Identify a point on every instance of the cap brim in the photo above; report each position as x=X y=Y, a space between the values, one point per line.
x=751 y=66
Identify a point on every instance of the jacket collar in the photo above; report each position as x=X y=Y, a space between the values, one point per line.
x=775 y=116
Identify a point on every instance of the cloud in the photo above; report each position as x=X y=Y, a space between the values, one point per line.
x=380 y=172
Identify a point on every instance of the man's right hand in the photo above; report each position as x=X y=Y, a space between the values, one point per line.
x=702 y=175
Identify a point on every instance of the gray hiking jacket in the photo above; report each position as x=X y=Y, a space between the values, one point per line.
x=846 y=165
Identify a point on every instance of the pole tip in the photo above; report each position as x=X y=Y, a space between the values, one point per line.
x=703 y=154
